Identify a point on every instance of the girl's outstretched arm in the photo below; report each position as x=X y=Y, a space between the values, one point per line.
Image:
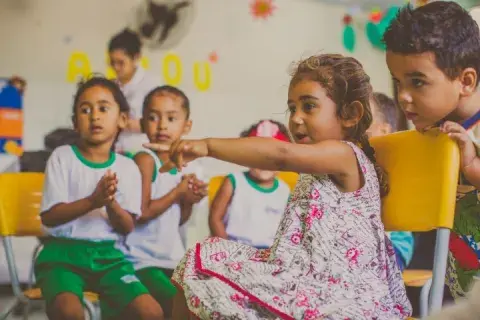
x=327 y=157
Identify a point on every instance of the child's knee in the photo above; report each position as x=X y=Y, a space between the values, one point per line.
x=145 y=307
x=66 y=306
x=152 y=313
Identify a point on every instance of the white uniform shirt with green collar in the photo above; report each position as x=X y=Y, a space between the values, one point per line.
x=160 y=242
x=135 y=92
x=70 y=177
x=255 y=212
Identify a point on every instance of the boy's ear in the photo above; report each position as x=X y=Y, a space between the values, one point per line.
x=352 y=114
x=187 y=127
x=142 y=127
x=468 y=79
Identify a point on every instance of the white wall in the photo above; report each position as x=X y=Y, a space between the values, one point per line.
x=248 y=82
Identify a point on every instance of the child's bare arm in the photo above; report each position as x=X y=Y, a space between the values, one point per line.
x=196 y=192
x=62 y=213
x=472 y=172
x=186 y=209
x=470 y=162
x=120 y=219
x=326 y=157
x=219 y=208
x=65 y=212
x=151 y=209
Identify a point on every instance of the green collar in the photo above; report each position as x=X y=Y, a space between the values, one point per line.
x=91 y=164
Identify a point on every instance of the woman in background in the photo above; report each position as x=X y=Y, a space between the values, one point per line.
x=124 y=52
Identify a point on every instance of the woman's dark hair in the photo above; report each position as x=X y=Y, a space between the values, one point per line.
x=345 y=82
x=127 y=41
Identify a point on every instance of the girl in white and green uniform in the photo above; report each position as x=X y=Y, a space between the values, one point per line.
x=91 y=199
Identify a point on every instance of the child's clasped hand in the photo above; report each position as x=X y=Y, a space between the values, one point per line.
x=105 y=190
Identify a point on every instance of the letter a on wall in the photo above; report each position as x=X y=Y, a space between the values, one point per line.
x=78 y=66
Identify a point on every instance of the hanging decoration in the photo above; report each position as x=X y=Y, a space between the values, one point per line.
x=349 y=38
x=375 y=31
x=262 y=8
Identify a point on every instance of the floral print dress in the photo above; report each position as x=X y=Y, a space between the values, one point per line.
x=331 y=260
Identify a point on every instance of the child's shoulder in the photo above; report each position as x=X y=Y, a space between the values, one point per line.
x=64 y=152
x=126 y=163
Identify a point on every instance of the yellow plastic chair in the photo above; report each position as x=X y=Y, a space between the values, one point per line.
x=423 y=175
x=20 y=199
x=215 y=183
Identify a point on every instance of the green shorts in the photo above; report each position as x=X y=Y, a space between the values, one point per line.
x=158 y=283
x=75 y=266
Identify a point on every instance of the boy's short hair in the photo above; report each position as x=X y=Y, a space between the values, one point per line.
x=441 y=27
x=387 y=108
x=168 y=89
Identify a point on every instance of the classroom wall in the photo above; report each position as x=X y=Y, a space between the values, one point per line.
x=248 y=82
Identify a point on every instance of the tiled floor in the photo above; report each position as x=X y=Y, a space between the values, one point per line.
x=37 y=314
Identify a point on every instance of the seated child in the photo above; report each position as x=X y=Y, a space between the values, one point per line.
x=91 y=199
x=249 y=205
x=385 y=121
x=436 y=70
x=331 y=258
x=155 y=247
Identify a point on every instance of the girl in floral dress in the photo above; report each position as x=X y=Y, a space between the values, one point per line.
x=331 y=258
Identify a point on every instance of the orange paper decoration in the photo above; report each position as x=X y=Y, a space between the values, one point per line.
x=262 y=8
x=213 y=57
x=375 y=15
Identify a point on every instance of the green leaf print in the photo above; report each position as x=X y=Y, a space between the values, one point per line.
x=467 y=216
x=464 y=277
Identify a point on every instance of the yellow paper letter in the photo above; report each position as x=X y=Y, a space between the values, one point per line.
x=202 y=83
x=78 y=66
x=176 y=78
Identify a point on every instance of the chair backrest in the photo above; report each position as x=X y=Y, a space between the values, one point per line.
x=20 y=200
x=289 y=178
x=423 y=172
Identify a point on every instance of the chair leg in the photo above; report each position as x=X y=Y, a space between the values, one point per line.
x=31 y=277
x=424 y=293
x=439 y=269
